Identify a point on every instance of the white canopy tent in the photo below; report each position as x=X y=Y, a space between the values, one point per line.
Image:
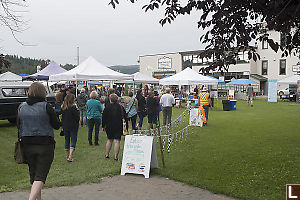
x=188 y=77
x=290 y=80
x=88 y=70
x=138 y=77
x=9 y=76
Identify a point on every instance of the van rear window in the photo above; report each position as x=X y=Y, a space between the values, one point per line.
x=14 y=92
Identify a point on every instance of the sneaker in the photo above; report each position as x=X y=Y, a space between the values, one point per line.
x=106 y=157
x=97 y=144
x=116 y=159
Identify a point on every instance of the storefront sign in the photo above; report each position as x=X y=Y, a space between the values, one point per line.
x=296 y=68
x=165 y=63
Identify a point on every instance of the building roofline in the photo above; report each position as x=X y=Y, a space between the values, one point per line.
x=159 y=54
x=179 y=52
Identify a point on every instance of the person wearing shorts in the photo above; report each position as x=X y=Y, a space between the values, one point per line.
x=112 y=124
x=152 y=110
x=81 y=101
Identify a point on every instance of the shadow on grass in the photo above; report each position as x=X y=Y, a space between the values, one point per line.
x=5 y=123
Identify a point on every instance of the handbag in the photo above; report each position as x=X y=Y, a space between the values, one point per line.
x=126 y=114
x=19 y=153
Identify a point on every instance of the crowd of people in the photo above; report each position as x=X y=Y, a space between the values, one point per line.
x=37 y=119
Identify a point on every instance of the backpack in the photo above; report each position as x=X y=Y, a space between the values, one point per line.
x=81 y=100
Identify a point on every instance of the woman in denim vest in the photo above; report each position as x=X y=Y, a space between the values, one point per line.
x=36 y=120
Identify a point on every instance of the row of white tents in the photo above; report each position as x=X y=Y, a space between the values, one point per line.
x=91 y=69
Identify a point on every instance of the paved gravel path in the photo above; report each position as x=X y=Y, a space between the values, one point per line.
x=127 y=187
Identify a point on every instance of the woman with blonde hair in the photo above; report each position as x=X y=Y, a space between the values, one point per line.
x=94 y=110
x=58 y=103
x=36 y=120
x=70 y=124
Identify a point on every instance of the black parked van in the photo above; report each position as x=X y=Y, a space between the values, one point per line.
x=12 y=94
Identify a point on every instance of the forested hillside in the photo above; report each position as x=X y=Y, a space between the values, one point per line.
x=20 y=65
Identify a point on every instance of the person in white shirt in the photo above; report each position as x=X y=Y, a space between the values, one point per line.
x=167 y=101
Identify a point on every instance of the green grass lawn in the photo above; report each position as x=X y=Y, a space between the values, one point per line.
x=250 y=153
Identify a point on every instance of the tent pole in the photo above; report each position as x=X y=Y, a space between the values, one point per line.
x=217 y=96
x=133 y=88
x=76 y=88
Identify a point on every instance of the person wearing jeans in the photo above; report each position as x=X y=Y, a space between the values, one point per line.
x=94 y=122
x=94 y=110
x=141 y=107
x=167 y=101
x=131 y=107
x=70 y=124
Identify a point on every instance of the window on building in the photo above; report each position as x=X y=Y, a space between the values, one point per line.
x=282 y=67
x=282 y=39
x=264 y=69
x=195 y=59
x=264 y=44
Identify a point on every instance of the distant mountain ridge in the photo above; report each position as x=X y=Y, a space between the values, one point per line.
x=126 y=69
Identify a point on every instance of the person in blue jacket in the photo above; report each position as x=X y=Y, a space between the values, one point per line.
x=94 y=116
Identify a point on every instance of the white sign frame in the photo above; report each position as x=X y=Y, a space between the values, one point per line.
x=139 y=155
x=296 y=68
x=195 y=119
x=165 y=63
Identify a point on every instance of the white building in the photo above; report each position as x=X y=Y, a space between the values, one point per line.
x=271 y=65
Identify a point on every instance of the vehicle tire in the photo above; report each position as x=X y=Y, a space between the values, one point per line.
x=12 y=120
x=280 y=93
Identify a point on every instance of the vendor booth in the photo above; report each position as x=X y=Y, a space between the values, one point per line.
x=188 y=77
x=51 y=69
x=240 y=86
x=90 y=69
x=9 y=76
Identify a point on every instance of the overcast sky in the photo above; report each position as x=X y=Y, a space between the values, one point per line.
x=112 y=36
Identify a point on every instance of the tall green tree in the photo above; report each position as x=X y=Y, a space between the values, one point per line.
x=3 y=63
x=231 y=25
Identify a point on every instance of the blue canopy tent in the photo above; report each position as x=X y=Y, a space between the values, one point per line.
x=95 y=83
x=242 y=82
x=219 y=81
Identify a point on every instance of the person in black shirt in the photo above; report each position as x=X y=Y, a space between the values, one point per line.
x=152 y=110
x=109 y=92
x=70 y=123
x=112 y=124
x=141 y=108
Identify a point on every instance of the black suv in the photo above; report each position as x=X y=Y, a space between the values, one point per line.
x=12 y=94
